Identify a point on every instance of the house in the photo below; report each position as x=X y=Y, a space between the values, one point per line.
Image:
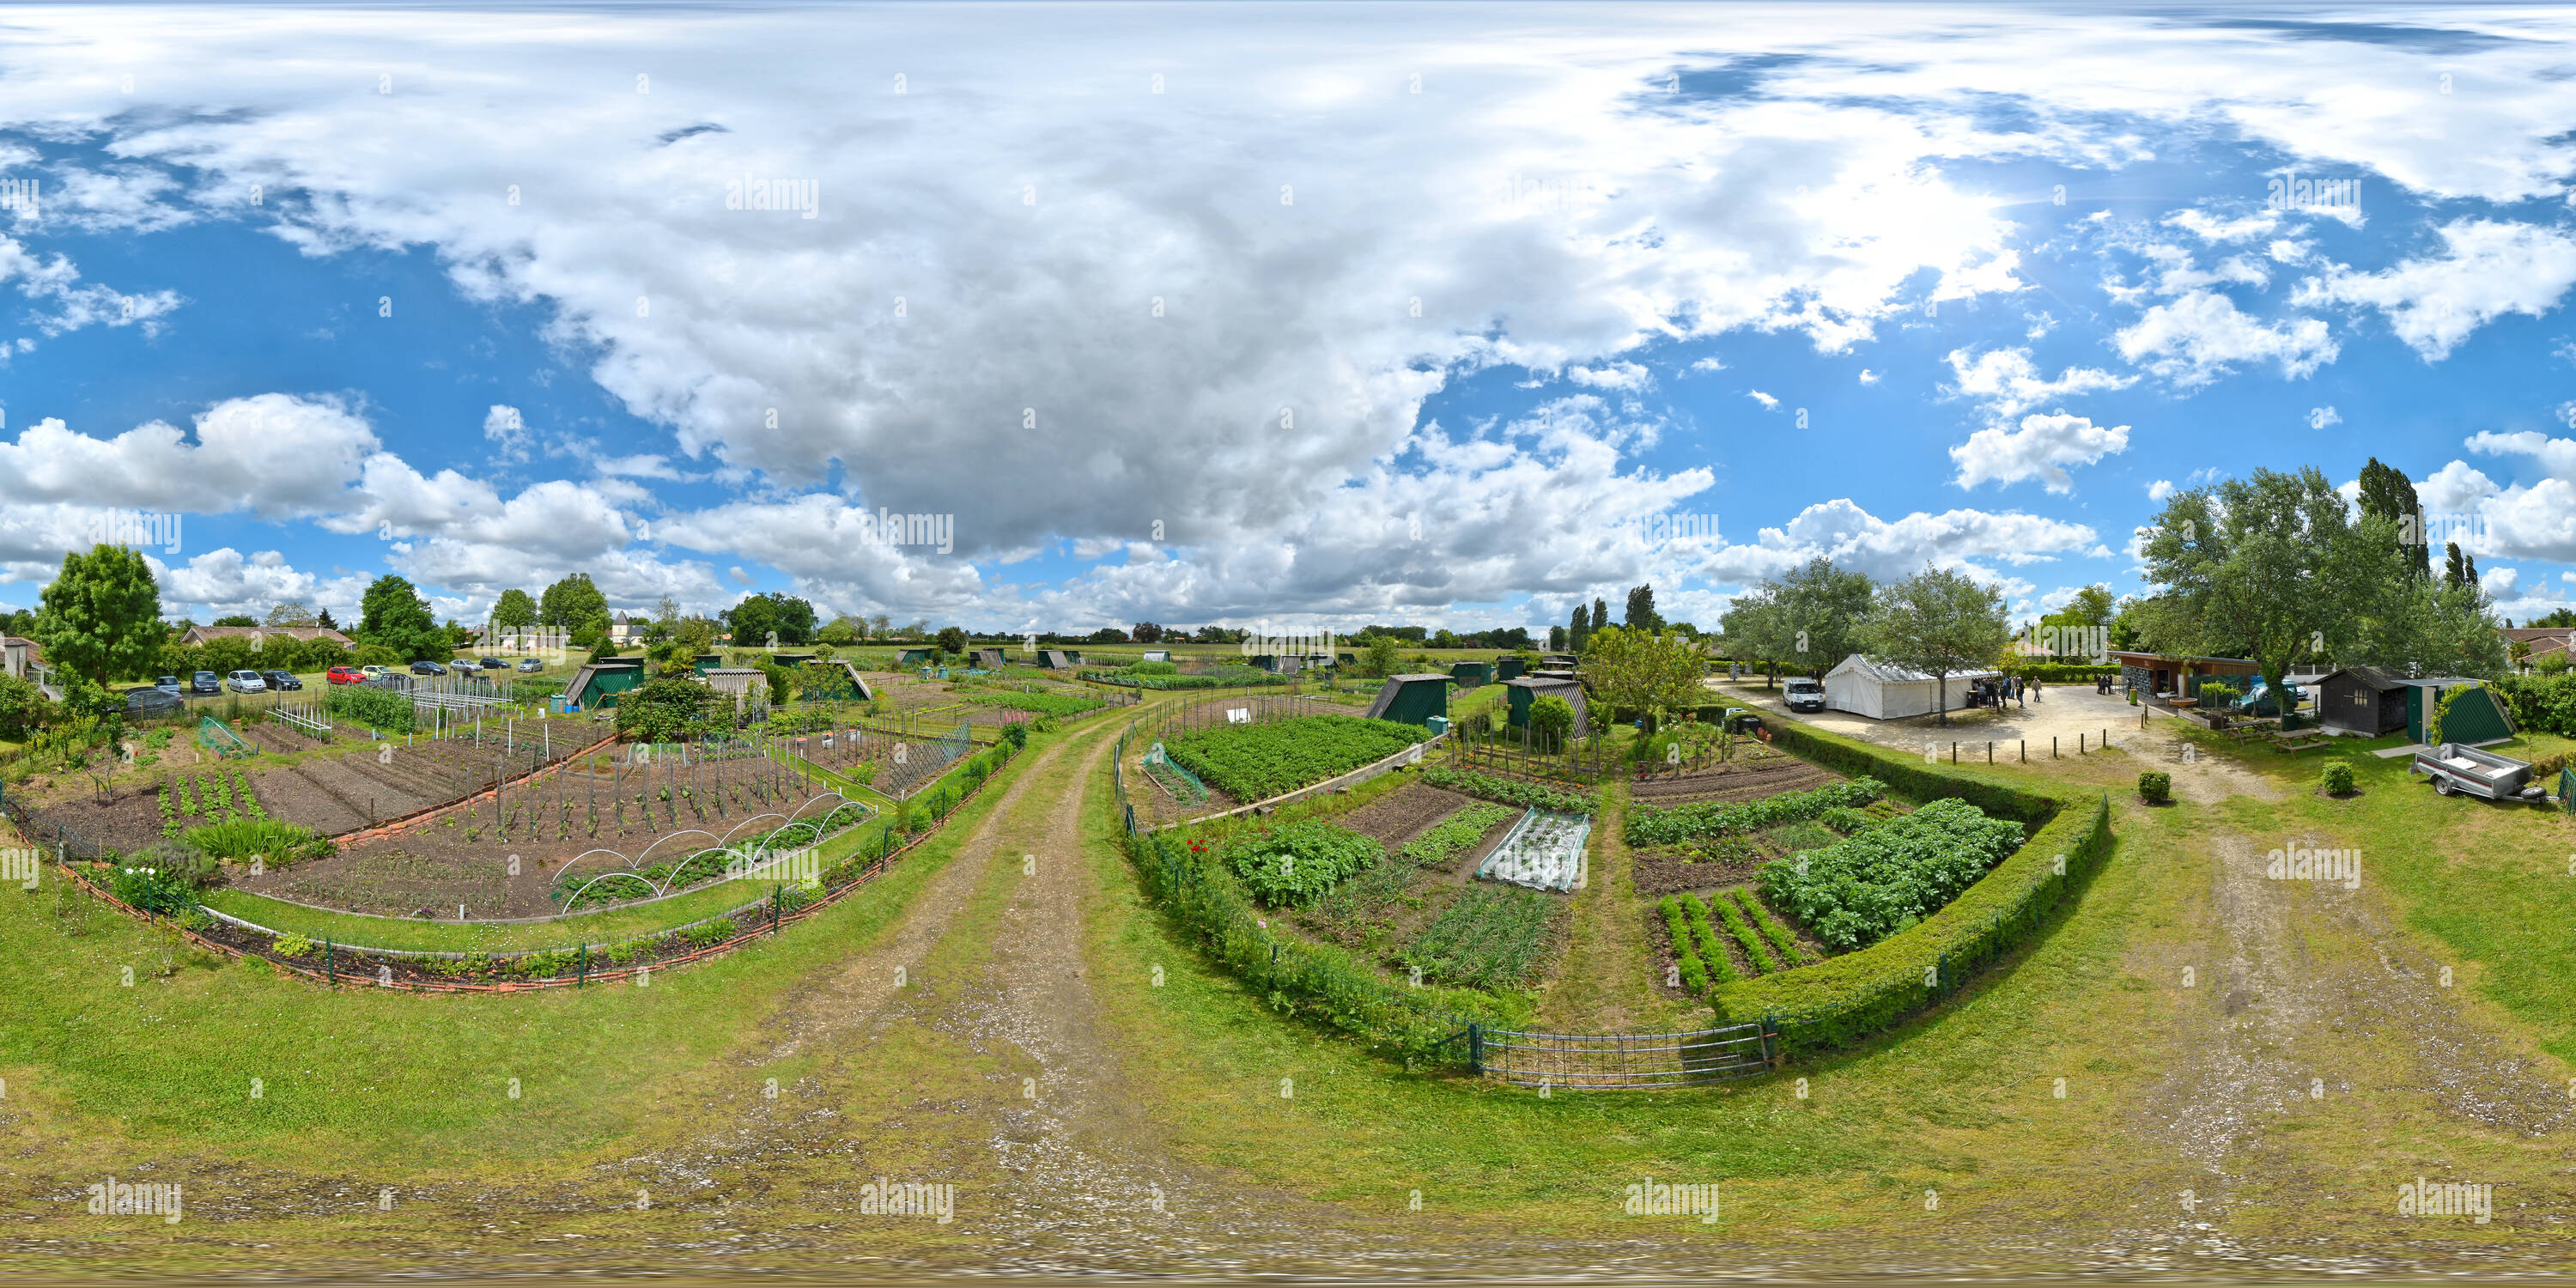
x=1522 y=692
x=624 y=629
x=19 y=656
x=2541 y=641
x=2179 y=675
x=2366 y=701
x=596 y=685
x=1412 y=699
x=1472 y=675
x=256 y=634
x=1865 y=686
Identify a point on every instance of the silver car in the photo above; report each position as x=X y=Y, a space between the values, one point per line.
x=245 y=682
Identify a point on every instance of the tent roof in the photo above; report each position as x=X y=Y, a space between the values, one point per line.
x=1872 y=669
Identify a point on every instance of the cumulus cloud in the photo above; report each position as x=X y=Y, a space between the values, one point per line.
x=2193 y=340
x=2160 y=489
x=1768 y=402
x=2040 y=449
x=2486 y=269
x=275 y=455
x=2006 y=382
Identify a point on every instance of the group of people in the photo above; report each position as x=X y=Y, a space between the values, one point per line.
x=2011 y=688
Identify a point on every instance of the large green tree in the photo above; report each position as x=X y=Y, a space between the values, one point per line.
x=1939 y=622
x=1824 y=614
x=1636 y=671
x=2270 y=566
x=394 y=616
x=754 y=621
x=572 y=604
x=1755 y=629
x=515 y=612
x=1641 y=610
x=2386 y=493
x=101 y=616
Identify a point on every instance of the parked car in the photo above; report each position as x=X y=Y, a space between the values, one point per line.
x=205 y=682
x=347 y=675
x=531 y=664
x=167 y=684
x=281 y=681
x=1805 y=695
x=246 y=682
x=427 y=667
x=493 y=664
x=148 y=701
x=372 y=671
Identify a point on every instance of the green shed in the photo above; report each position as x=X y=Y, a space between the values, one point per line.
x=1507 y=668
x=913 y=657
x=596 y=685
x=1523 y=691
x=1472 y=675
x=1411 y=699
x=2475 y=715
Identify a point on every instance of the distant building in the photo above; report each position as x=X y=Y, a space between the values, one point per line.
x=199 y=635
x=1412 y=699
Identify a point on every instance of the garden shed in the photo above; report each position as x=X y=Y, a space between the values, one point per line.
x=2179 y=675
x=1865 y=686
x=991 y=659
x=745 y=684
x=1472 y=675
x=1055 y=659
x=1266 y=661
x=1411 y=699
x=913 y=657
x=1523 y=692
x=596 y=685
x=835 y=680
x=2475 y=715
x=1507 y=668
x=2364 y=700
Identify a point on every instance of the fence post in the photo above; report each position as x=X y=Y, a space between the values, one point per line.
x=1475 y=1048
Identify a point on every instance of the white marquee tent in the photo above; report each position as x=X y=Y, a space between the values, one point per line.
x=1868 y=687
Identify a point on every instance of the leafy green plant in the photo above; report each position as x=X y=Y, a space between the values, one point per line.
x=1510 y=791
x=1648 y=825
x=278 y=844
x=1860 y=890
x=1295 y=863
x=1778 y=934
x=1720 y=966
x=2155 y=786
x=1694 y=971
x=1437 y=845
x=1491 y=937
x=291 y=944
x=1258 y=761
x=1846 y=820
x=1755 y=951
x=2338 y=778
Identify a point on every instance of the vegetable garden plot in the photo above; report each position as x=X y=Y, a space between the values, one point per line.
x=1752 y=776
x=1255 y=761
x=1493 y=937
x=1544 y=852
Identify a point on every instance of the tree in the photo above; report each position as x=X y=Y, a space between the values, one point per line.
x=394 y=616
x=1578 y=631
x=100 y=618
x=515 y=612
x=1105 y=635
x=795 y=618
x=1147 y=633
x=2092 y=606
x=843 y=631
x=2273 y=567
x=1381 y=657
x=952 y=639
x=1600 y=614
x=244 y=619
x=1551 y=722
x=572 y=603
x=1938 y=622
x=1641 y=610
x=754 y=622
x=293 y=612
x=2386 y=493
x=2562 y=617
x=1511 y=640
x=1755 y=629
x=1655 y=674
x=323 y=620
x=1556 y=639
x=2458 y=569
x=1824 y=614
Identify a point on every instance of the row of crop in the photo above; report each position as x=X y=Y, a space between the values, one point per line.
x=1648 y=825
x=381 y=709
x=1232 y=677
x=1258 y=761
x=1511 y=791
x=1878 y=881
x=1850 y=996
x=1049 y=704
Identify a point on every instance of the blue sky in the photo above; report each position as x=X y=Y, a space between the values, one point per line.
x=1273 y=316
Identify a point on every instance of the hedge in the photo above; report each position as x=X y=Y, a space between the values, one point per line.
x=1847 y=998
x=2541 y=703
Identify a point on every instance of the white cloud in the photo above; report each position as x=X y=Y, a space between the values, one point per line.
x=1710 y=363
x=2216 y=228
x=1768 y=402
x=274 y=455
x=2455 y=487
x=1627 y=376
x=2486 y=270
x=2006 y=382
x=508 y=431
x=2040 y=449
x=2201 y=336
x=2160 y=489
x=2556 y=455
x=1868 y=377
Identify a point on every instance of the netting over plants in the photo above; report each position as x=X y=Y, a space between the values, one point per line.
x=1544 y=851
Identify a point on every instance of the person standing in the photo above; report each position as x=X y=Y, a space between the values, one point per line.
x=2034 y=690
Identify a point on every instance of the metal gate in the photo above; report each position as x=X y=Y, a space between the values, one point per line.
x=1606 y=1061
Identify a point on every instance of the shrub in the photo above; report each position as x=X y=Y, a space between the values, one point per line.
x=1858 y=891
x=1551 y=721
x=2338 y=778
x=238 y=838
x=2155 y=786
x=154 y=889
x=291 y=944
x=381 y=709
x=1845 y=819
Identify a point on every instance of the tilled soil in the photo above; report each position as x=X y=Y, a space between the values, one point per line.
x=1395 y=818
x=1731 y=782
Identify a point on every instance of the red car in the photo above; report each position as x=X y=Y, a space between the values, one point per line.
x=346 y=675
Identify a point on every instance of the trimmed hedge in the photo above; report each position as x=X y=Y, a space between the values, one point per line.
x=1845 y=999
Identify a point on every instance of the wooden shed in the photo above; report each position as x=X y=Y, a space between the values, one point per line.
x=991 y=659
x=2364 y=700
x=596 y=685
x=1412 y=699
x=744 y=684
x=1055 y=659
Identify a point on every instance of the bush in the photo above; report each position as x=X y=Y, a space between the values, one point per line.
x=1551 y=720
x=291 y=944
x=2338 y=778
x=2155 y=786
x=381 y=709
x=1845 y=819
x=278 y=844
x=1857 y=891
